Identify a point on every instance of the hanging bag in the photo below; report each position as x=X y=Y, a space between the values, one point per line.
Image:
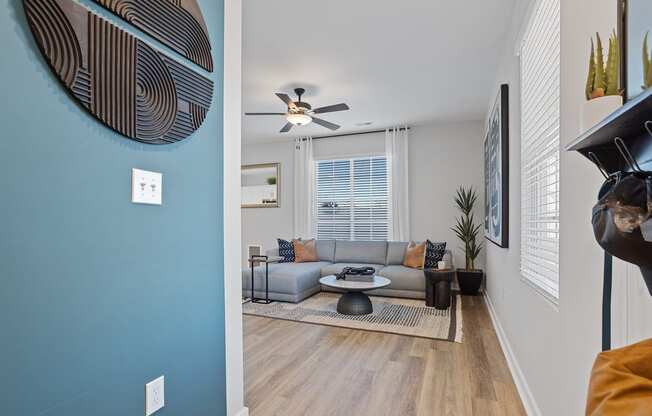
x=622 y=219
x=646 y=227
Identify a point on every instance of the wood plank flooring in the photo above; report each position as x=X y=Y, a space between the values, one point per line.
x=297 y=369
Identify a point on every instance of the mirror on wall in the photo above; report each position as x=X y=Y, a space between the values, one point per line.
x=261 y=185
x=637 y=23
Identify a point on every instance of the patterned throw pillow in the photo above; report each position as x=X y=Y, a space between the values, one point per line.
x=434 y=254
x=285 y=250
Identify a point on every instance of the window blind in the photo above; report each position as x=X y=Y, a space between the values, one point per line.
x=540 y=151
x=352 y=199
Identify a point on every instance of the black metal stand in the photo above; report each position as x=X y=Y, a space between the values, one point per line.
x=252 y=261
x=620 y=143
x=606 y=302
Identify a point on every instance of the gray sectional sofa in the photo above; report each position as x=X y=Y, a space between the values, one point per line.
x=293 y=282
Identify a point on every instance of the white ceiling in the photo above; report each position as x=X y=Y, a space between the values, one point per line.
x=394 y=62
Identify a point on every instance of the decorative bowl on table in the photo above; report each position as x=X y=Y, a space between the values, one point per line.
x=357 y=274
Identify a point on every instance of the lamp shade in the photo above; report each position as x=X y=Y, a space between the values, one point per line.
x=299 y=119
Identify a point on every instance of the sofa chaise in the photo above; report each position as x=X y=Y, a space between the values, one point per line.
x=293 y=282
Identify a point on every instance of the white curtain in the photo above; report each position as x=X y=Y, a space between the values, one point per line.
x=396 y=149
x=304 y=183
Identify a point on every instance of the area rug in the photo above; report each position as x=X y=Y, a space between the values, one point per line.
x=391 y=315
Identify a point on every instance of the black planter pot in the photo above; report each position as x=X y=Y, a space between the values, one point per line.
x=470 y=281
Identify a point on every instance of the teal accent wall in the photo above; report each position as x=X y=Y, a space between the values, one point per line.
x=98 y=296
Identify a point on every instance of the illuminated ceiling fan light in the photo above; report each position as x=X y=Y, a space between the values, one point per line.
x=299 y=119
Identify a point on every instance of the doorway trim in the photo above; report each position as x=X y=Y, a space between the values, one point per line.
x=232 y=213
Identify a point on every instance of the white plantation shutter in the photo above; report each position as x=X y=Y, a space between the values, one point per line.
x=540 y=122
x=352 y=199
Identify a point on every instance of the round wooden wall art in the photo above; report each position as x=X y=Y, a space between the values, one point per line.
x=128 y=85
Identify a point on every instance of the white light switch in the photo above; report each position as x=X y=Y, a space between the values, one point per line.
x=146 y=187
x=154 y=396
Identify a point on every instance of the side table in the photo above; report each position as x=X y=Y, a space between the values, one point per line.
x=438 y=287
x=253 y=262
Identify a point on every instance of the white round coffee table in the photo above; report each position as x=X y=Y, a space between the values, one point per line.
x=354 y=301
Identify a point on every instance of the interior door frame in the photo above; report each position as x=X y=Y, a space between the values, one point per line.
x=232 y=140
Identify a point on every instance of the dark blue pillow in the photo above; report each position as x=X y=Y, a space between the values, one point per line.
x=434 y=254
x=285 y=250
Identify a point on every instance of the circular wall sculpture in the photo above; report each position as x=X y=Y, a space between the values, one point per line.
x=132 y=88
x=179 y=24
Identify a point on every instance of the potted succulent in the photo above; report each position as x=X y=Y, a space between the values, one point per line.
x=469 y=278
x=603 y=93
x=647 y=64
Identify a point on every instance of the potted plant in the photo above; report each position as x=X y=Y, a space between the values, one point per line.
x=469 y=278
x=647 y=64
x=603 y=93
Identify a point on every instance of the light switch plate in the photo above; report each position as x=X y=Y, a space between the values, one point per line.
x=146 y=187
x=154 y=396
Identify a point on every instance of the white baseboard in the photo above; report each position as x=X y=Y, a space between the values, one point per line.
x=523 y=388
x=243 y=412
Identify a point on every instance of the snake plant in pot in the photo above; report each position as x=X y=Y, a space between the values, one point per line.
x=469 y=278
x=603 y=92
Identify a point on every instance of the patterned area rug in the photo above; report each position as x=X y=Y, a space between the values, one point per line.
x=391 y=315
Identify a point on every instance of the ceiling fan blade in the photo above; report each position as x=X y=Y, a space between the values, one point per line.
x=265 y=114
x=287 y=128
x=286 y=99
x=331 y=108
x=325 y=123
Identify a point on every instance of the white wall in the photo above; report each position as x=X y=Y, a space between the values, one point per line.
x=350 y=146
x=442 y=157
x=554 y=347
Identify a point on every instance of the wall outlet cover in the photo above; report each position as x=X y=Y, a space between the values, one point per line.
x=146 y=187
x=154 y=396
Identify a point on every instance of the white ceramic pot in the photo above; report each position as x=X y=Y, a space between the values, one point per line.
x=596 y=110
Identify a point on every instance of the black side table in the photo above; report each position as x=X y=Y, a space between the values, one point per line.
x=253 y=261
x=438 y=287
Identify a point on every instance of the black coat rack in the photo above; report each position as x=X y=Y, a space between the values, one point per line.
x=632 y=123
x=620 y=143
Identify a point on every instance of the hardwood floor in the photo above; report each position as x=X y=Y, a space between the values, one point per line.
x=294 y=369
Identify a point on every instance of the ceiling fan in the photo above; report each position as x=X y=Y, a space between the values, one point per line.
x=300 y=113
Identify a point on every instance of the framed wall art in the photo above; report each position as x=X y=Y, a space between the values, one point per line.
x=496 y=166
x=636 y=38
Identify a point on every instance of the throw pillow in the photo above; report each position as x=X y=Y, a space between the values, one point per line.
x=415 y=254
x=305 y=251
x=434 y=254
x=285 y=250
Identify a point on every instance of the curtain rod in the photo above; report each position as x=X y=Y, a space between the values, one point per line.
x=356 y=133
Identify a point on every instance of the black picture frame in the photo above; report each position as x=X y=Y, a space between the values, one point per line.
x=631 y=34
x=622 y=40
x=496 y=165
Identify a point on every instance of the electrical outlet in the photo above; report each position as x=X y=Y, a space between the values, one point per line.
x=154 y=396
x=146 y=187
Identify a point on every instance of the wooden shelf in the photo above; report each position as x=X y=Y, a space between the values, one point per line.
x=628 y=123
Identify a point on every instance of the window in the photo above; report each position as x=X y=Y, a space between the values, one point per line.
x=540 y=122
x=352 y=199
